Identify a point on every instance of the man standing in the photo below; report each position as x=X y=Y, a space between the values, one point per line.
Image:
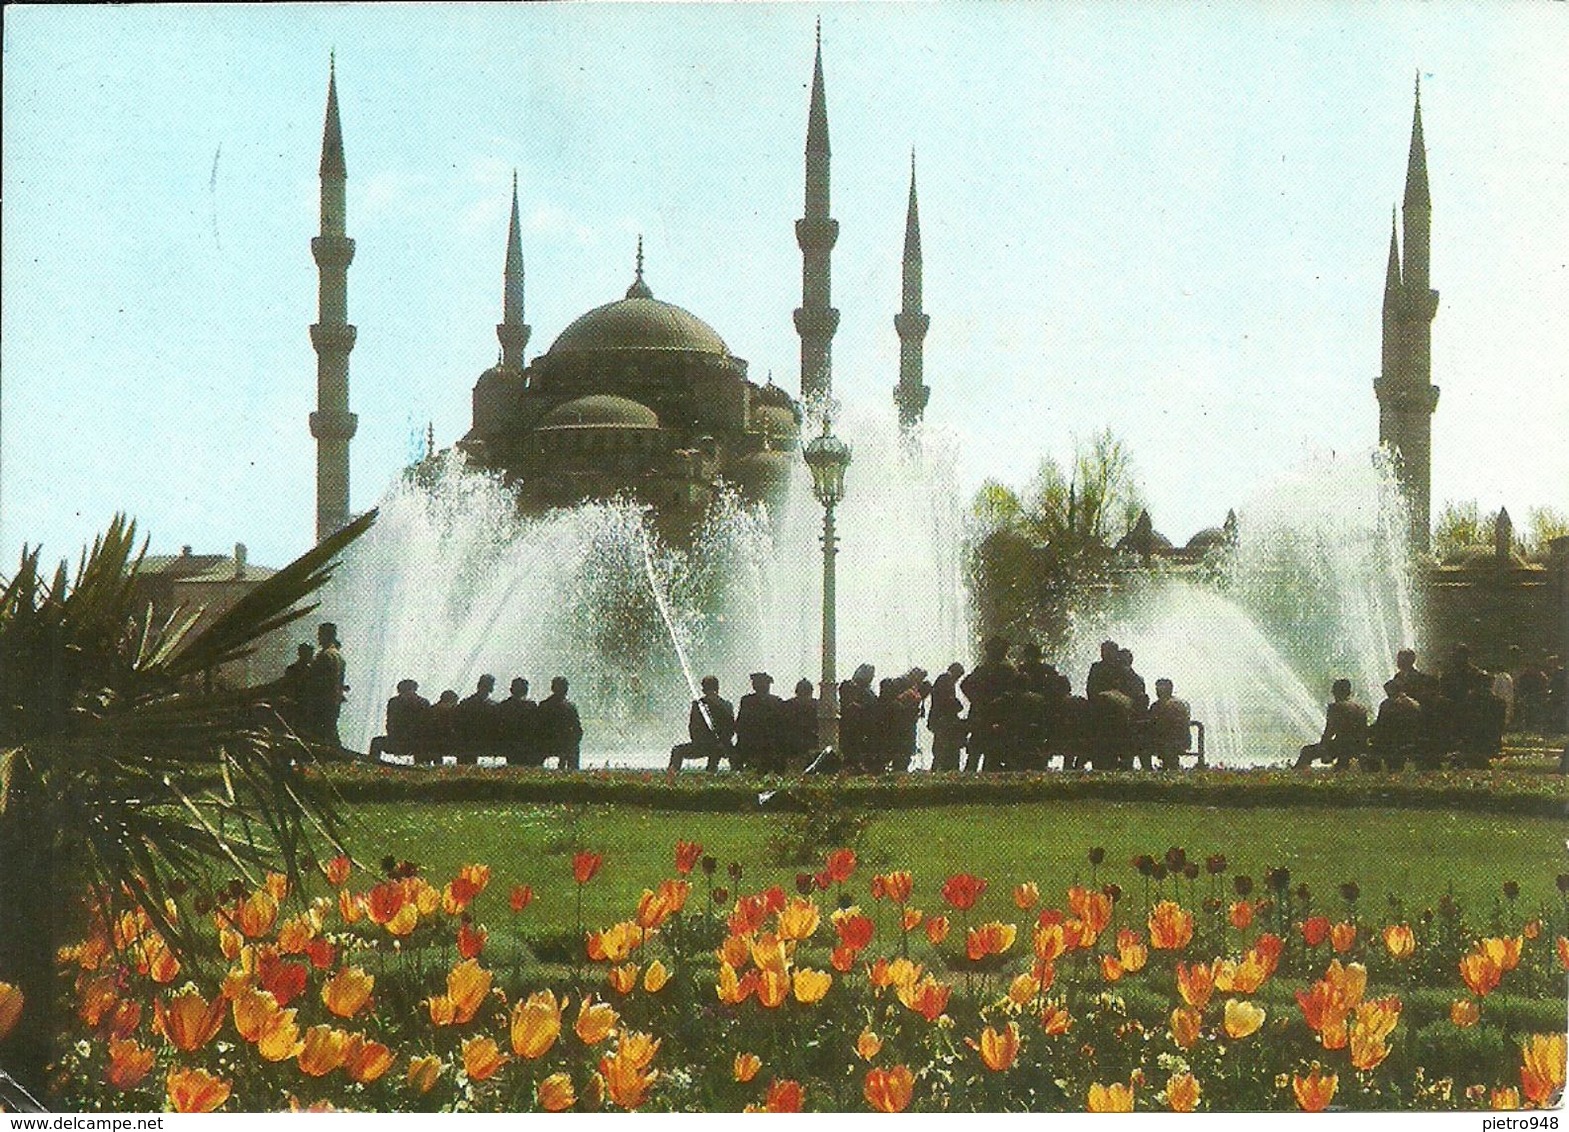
x=560 y=728
x=944 y=722
x=987 y=689
x=328 y=689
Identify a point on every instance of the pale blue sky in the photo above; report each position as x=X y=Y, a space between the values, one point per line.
x=1167 y=219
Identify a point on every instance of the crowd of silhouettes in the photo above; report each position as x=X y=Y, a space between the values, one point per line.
x=1456 y=717
x=516 y=730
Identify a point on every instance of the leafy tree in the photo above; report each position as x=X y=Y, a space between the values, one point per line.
x=123 y=774
x=1543 y=525
x=1458 y=529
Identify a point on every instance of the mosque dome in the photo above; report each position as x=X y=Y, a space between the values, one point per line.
x=639 y=322
x=1208 y=539
x=777 y=422
x=600 y=411
x=762 y=472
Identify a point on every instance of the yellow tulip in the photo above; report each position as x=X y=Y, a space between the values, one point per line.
x=423 y=1072
x=655 y=978
x=595 y=1021
x=347 y=992
x=1242 y=1018
x=1116 y=1097
x=1182 y=1092
x=746 y=1067
x=536 y=1024
x=810 y=985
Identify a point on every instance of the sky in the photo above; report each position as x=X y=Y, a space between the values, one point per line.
x=1170 y=220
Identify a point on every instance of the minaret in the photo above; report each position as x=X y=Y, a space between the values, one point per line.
x=1405 y=390
x=815 y=319
x=332 y=424
x=512 y=331
x=911 y=323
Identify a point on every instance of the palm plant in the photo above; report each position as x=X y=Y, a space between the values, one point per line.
x=125 y=776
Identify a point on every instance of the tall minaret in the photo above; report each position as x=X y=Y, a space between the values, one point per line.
x=332 y=424
x=512 y=331
x=911 y=323
x=1405 y=390
x=815 y=319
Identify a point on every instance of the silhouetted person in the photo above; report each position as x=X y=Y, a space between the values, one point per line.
x=1424 y=689
x=1105 y=673
x=987 y=688
x=295 y=691
x=328 y=688
x=476 y=722
x=1108 y=716
x=406 y=714
x=559 y=728
x=1132 y=684
x=1398 y=732
x=515 y=720
x=884 y=729
x=800 y=725
x=710 y=727
x=944 y=719
x=857 y=716
x=442 y=736
x=760 y=739
x=1475 y=714
x=1169 y=718
x=1531 y=697
x=1345 y=735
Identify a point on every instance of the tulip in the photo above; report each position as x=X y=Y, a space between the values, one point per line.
x=1116 y=1097
x=895 y=886
x=998 y=1049
x=384 y=901
x=1399 y=941
x=471 y=940
x=555 y=1092
x=1241 y=915
x=188 y=1021
x=637 y=1048
x=1196 y=983
x=1367 y=1050
x=730 y=988
x=322 y=1050
x=521 y=897
x=423 y=1072
x=1342 y=936
x=855 y=928
x=404 y=921
x=625 y=1079
x=1186 y=1022
x=1092 y=907
x=129 y=1062
x=1504 y=952
x=365 y=1061
x=595 y=1021
x=256 y=915
x=157 y=961
x=1464 y=1013
x=799 y=919
x=1055 y=1018
x=962 y=890
x=585 y=865
x=195 y=1090
x=536 y=1024
x=688 y=853
x=773 y=986
x=1242 y=1018
x=1170 y=927
x=868 y=1045
x=937 y=930
x=1561 y=943
x=1315 y=1091
x=810 y=986
x=1182 y=1092
x=784 y=1096
x=928 y=998
x=656 y=977
x=278 y=1036
x=351 y=907
x=347 y=992
x=623 y=979
x=482 y=1058
x=1023 y=989
x=889 y=1090
x=840 y=865
x=1110 y=968
x=1315 y=930
x=1481 y=972
x=1504 y=1100
x=746 y=1067
x=992 y=938
x=337 y=870
x=1026 y=895
x=910 y=918
x=1131 y=952
x=1542 y=1068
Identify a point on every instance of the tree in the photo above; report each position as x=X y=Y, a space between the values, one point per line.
x=1544 y=524
x=1458 y=529
x=122 y=775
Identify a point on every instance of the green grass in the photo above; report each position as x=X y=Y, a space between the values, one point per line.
x=1416 y=855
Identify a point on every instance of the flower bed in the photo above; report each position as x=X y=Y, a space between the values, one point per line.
x=1178 y=985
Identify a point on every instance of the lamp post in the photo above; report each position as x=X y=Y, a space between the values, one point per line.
x=827 y=456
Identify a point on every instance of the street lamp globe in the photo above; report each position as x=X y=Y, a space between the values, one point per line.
x=827 y=456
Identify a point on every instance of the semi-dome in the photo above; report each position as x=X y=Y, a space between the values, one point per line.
x=600 y=411
x=640 y=322
x=777 y=421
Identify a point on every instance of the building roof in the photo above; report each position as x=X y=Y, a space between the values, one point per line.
x=599 y=411
x=639 y=323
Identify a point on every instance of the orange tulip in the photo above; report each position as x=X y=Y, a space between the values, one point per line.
x=937 y=929
x=364 y=1060
x=1343 y=936
x=1023 y=989
x=482 y=1058
x=840 y=864
x=347 y=992
x=1481 y=972
x=1399 y=941
x=991 y=938
x=323 y=1050
x=625 y=1079
x=1242 y=1018
x=11 y=1000
x=928 y=998
x=688 y=853
x=895 y=886
x=536 y=1024
x=868 y=1045
x=384 y=901
x=889 y=1090
x=129 y=1062
x=1093 y=909
x=855 y=928
x=773 y=986
x=423 y=1072
x=555 y=1092
x=156 y=961
x=188 y=1021
x=585 y=865
x=1196 y=982
x=471 y=939
x=1266 y=949
x=998 y=1049
x=351 y=907
x=655 y=977
x=910 y=918
x=404 y=921
x=1561 y=943
x=962 y=890
x=595 y=1021
x=784 y=1096
x=623 y=979
x=1367 y=1050
x=810 y=986
x=461 y=891
x=1315 y=1091
x=1542 y=1068
x=467 y=985
x=1170 y=926
x=195 y=1090
x=256 y=915
x=521 y=897
x=1116 y=1097
x=746 y=1067
x=279 y=1038
x=1377 y=1017
x=1110 y=968
x=337 y=870
x=1055 y=1018
x=731 y=989
x=1026 y=895
x=1186 y=1022
x=1505 y=952
x=799 y=919
x=636 y=1048
x=1182 y=1092
x=1504 y=1100
x=1465 y=1012
x=1315 y=930
x=1241 y=914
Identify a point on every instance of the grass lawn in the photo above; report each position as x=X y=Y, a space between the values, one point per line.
x=1416 y=855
